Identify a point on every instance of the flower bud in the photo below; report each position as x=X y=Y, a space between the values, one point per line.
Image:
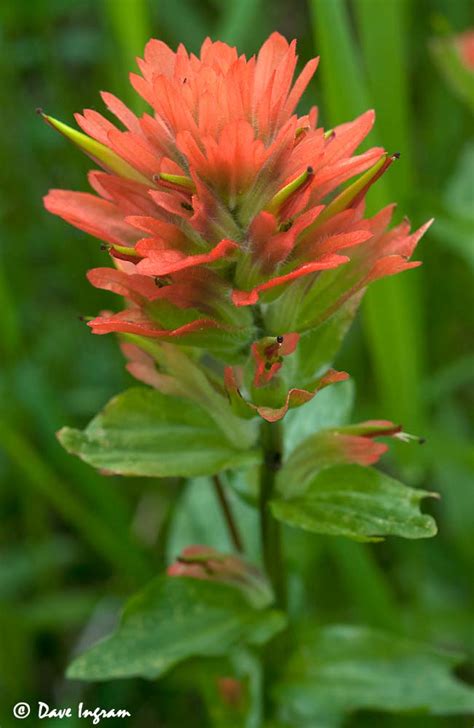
x=204 y=562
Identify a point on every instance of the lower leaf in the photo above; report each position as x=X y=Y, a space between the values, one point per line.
x=174 y=619
x=144 y=432
x=359 y=503
x=340 y=668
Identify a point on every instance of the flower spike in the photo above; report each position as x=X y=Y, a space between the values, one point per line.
x=225 y=219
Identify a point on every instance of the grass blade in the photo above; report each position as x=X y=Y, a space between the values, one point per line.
x=131 y=28
x=390 y=312
x=117 y=549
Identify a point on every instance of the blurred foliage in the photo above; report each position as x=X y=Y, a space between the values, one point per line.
x=70 y=536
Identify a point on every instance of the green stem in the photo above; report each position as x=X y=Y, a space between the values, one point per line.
x=228 y=515
x=269 y=527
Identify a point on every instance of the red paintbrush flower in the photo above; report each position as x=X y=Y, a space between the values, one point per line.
x=217 y=207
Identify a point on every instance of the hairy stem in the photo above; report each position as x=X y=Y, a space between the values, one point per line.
x=228 y=515
x=269 y=527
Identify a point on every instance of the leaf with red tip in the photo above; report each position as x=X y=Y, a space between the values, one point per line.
x=336 y=446
x=297 y=397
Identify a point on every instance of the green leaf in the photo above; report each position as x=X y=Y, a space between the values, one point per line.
x=197 y=387
x=173 y=619
x=144 y=432
x=340 y=668
x=343 y=445
x=359 y=503
x=331 y=408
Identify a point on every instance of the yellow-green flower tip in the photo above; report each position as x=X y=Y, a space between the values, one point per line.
x=102 y=155
x=285 y=193
x=356 y=190
x=178 y=180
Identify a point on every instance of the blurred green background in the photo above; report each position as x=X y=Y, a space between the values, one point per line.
x=73 y=544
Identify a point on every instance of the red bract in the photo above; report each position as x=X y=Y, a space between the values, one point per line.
x=465 y=44
x=268 y=355
x=347 y=445
x=355 y=443
x=217 y=208
x=205 y=562
x=295 y=397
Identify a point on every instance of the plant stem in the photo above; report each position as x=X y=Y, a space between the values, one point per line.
x=269 y=527
x=228 y=515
